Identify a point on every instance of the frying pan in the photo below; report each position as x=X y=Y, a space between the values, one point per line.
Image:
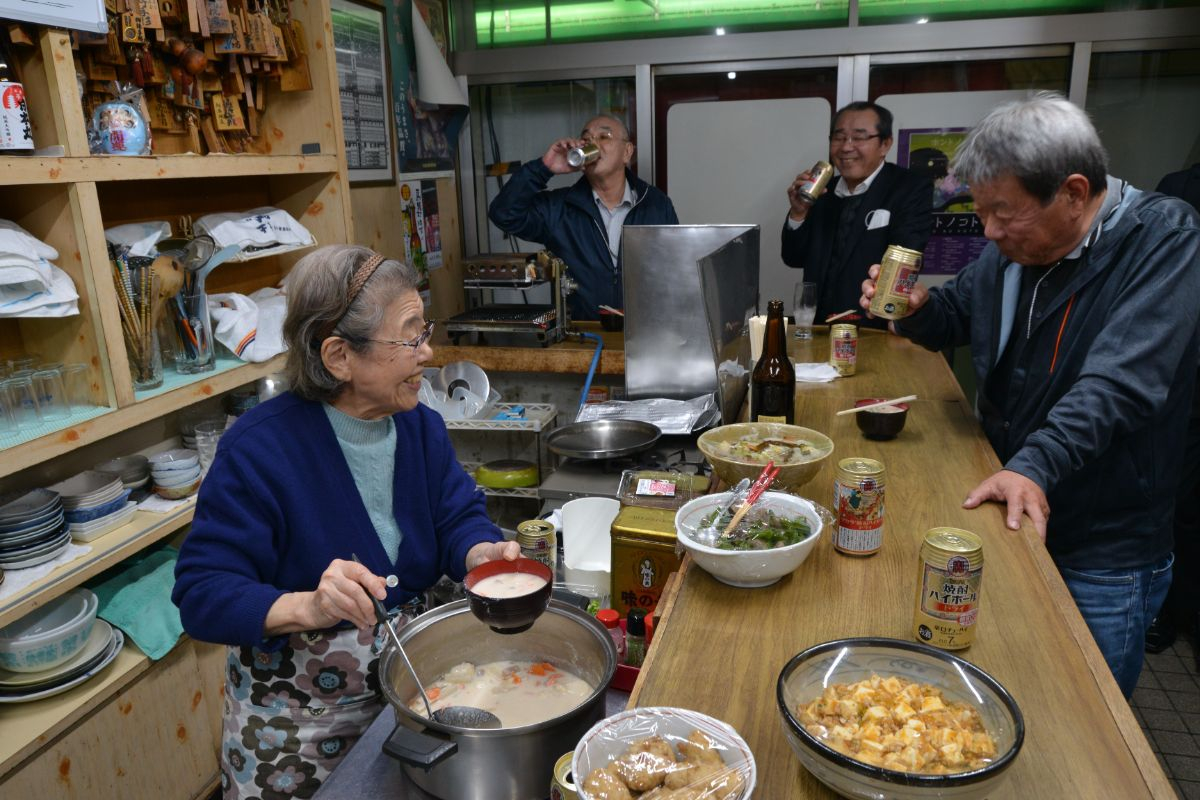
x=602 y=438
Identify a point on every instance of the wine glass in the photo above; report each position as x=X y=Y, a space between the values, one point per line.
x=805 y=308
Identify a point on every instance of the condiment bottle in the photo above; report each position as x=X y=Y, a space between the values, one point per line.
x=635 y=637
x=16 y=133
x=610 y=619
x=774 y=378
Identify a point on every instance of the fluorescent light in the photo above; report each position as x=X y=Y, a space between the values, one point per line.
x=720 y=31
x=731 y=75
x=922 y=20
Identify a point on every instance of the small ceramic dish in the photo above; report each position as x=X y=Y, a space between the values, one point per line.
x=178 y=458
x=881 y=423
x=177 y=492
x=177 y=477
x=509 y=614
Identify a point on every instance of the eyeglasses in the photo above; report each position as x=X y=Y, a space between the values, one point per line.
x=858 y=138
x=414 y=342
x=603 y=136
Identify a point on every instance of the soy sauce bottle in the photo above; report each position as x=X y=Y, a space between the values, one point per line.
x=774 y=378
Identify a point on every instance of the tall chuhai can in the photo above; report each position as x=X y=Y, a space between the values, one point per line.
x=898 y=271
x=948 y=586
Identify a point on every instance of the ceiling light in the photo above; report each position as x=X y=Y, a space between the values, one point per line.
x=720 y=31
x=731 y=75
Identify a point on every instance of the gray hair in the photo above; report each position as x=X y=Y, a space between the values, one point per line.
x=1040 y=141
x=317 y=289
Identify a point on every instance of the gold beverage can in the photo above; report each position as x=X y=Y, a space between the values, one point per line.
x=583 y=154
x=643 y=555
x=947 y=603
x=898 y=271
x=538 y=541
x=858 y=502
x=819 y=177
x=562 y=783
x=843 y=348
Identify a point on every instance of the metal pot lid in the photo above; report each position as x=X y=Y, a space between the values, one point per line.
x=603 y=438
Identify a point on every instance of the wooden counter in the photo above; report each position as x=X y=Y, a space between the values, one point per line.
x=571 y=357
x=1081 y=737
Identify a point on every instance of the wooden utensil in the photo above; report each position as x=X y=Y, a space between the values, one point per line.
x=880 y=404
x=765 y=479
x=845 y=313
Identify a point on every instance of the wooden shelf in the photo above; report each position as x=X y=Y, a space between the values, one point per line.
x=204 y=385
x=143 y=530
x=26 y=727
x=31 y=169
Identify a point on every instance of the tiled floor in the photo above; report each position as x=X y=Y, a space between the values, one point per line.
x=1167 y=704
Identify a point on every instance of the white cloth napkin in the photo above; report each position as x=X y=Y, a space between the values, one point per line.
x=15 y=239
x=251 y=327
x=17 y=579
x=815 y=373
x=160 y=505
x=34 y=299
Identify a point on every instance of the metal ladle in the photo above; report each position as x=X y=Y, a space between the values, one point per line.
x=458 y=716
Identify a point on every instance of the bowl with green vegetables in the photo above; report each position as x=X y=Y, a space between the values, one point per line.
x=772 y=539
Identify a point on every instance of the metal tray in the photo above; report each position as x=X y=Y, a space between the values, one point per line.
x=602 y=438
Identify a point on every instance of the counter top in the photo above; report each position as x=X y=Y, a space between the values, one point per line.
x=572 y=357
x=1081 y=737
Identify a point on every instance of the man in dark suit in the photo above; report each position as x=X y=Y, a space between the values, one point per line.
x=872 y=205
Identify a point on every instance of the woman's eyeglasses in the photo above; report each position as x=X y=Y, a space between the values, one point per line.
x=414 y=342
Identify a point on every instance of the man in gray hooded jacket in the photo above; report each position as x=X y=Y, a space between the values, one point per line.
x=1082 y=320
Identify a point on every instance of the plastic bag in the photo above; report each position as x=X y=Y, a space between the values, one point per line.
x=119 y=127
x=651 y=752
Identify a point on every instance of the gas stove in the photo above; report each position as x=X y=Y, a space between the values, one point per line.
x=602 y=478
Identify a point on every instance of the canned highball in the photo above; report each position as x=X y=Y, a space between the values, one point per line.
x=897 y=276
x=843 y=348
x=562 y=783
x=858 y=504
x=947 y=603
x=538 y=541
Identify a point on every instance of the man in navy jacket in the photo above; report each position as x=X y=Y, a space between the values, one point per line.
x=871 y=205
x=582 y=224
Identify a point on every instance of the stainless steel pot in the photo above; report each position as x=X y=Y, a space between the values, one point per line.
x=508 y=763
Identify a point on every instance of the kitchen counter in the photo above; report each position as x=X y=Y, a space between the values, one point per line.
x=1081 y=737
x=572 y=356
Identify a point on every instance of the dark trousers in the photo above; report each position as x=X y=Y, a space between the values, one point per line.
x=1183 y=599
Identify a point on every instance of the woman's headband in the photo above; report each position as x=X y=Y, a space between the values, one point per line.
x=357 y=282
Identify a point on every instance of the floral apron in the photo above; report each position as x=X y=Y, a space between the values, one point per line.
x=290 y=716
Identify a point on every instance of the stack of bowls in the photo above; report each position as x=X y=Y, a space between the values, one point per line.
x=95 y=503
x=33 y=529
x=55 y=647
x=187 y=427
x=176 y=473
x=134 y=470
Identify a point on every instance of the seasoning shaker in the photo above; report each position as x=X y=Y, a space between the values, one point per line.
x=610 y=619
x=635 y=637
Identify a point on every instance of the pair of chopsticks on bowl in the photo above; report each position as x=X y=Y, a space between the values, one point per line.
x=880 y=404
x=612 y=310
x=764 y=480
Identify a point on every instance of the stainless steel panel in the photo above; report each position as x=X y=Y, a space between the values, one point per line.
x=688 y=292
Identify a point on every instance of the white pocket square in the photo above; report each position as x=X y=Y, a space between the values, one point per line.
x=879 y=218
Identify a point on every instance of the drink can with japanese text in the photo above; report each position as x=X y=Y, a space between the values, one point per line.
x=538 y=541
x=897 y=276
x=843 y=348
x=562 y=783
x=818 y=179
x=858 y=500
x=947 y=602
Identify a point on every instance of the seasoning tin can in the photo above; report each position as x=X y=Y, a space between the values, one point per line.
x=858 y=497
x=562 y=783
x=897 y=276
x=643 y=555
x=947 y=602
x=583 y=154
x=843 y=348
x=818 y=179
x=538 y=541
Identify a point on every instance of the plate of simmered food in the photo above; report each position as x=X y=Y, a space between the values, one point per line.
x=742 y=450
x=877 y=717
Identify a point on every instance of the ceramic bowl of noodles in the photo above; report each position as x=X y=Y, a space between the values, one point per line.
x=742 y=450
x=771 y=540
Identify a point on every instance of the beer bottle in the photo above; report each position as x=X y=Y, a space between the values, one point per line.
x=16 y=134
x=774 y=378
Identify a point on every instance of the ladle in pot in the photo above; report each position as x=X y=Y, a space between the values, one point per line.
x=457 y=716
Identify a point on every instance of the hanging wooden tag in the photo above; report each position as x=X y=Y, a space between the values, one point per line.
x=252 y=119
x=172 y=12
x=132 y=31
x=232 y=83
x=158 y=71
x=226 y=113
x=193 y=132
x=149 y=12
x=218 y=17
x=193 y=16
x=258 y=35
x=276 y=49
x=96 y=71
x=235 y=42
x=295 y=76
x=210 y=136
x=161 y=113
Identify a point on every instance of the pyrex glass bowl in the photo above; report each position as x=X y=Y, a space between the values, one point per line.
x=807 y=674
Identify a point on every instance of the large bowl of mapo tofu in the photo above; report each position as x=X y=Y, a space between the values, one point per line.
x=876 y=717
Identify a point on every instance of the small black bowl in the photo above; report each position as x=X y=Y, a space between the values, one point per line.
x=880 y=424
x=611 y=322
x=509 y=614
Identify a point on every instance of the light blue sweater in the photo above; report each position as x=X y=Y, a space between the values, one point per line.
x=369 y=447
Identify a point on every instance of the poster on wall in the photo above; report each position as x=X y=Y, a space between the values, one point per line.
x=79 y=15
x=957 y=238
x=428 y=105
x=422 y=230
x=358 y=39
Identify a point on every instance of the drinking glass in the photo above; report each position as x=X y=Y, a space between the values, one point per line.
x=207 y=435
x=51 y=394
x=24 y=402
x=805 y=308
x=195 y=353
x=9 y=426
x=75 y=379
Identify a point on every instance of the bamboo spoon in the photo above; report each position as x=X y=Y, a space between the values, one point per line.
x=880 y=404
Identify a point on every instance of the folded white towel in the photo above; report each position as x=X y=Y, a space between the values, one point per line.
x=251 y=327
x=15 y=239
x=815 y=373
x=139 y=237
x=259 y=227
x=34 y=299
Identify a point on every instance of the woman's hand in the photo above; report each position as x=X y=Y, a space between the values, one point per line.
x=340 y=596
x=492 y=551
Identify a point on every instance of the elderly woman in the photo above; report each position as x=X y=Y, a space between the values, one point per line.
x=346 y=463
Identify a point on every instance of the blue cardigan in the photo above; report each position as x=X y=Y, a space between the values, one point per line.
x=279 y=504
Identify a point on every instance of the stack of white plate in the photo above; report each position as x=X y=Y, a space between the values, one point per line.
x=100 y=649
x=95 y=503
x=134 y=470
x=176 y=473
x=33 y=529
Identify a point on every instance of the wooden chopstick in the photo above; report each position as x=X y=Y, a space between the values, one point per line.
x=765 y=478
x=881 y=404
x=845 y=313
x=612 y=310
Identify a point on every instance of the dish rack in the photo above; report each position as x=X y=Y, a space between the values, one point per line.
x=538 y=417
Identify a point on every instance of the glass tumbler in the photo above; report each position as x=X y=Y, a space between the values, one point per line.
x=207 y=435
x=9 y=427
x=805 y=308
x=51 y=394
x=24 y=403
x=75 y=379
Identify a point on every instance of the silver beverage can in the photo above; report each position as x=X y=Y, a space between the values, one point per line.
x=819 y=177
x=583 y=154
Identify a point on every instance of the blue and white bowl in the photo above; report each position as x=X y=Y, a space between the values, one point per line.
x=48 y=636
